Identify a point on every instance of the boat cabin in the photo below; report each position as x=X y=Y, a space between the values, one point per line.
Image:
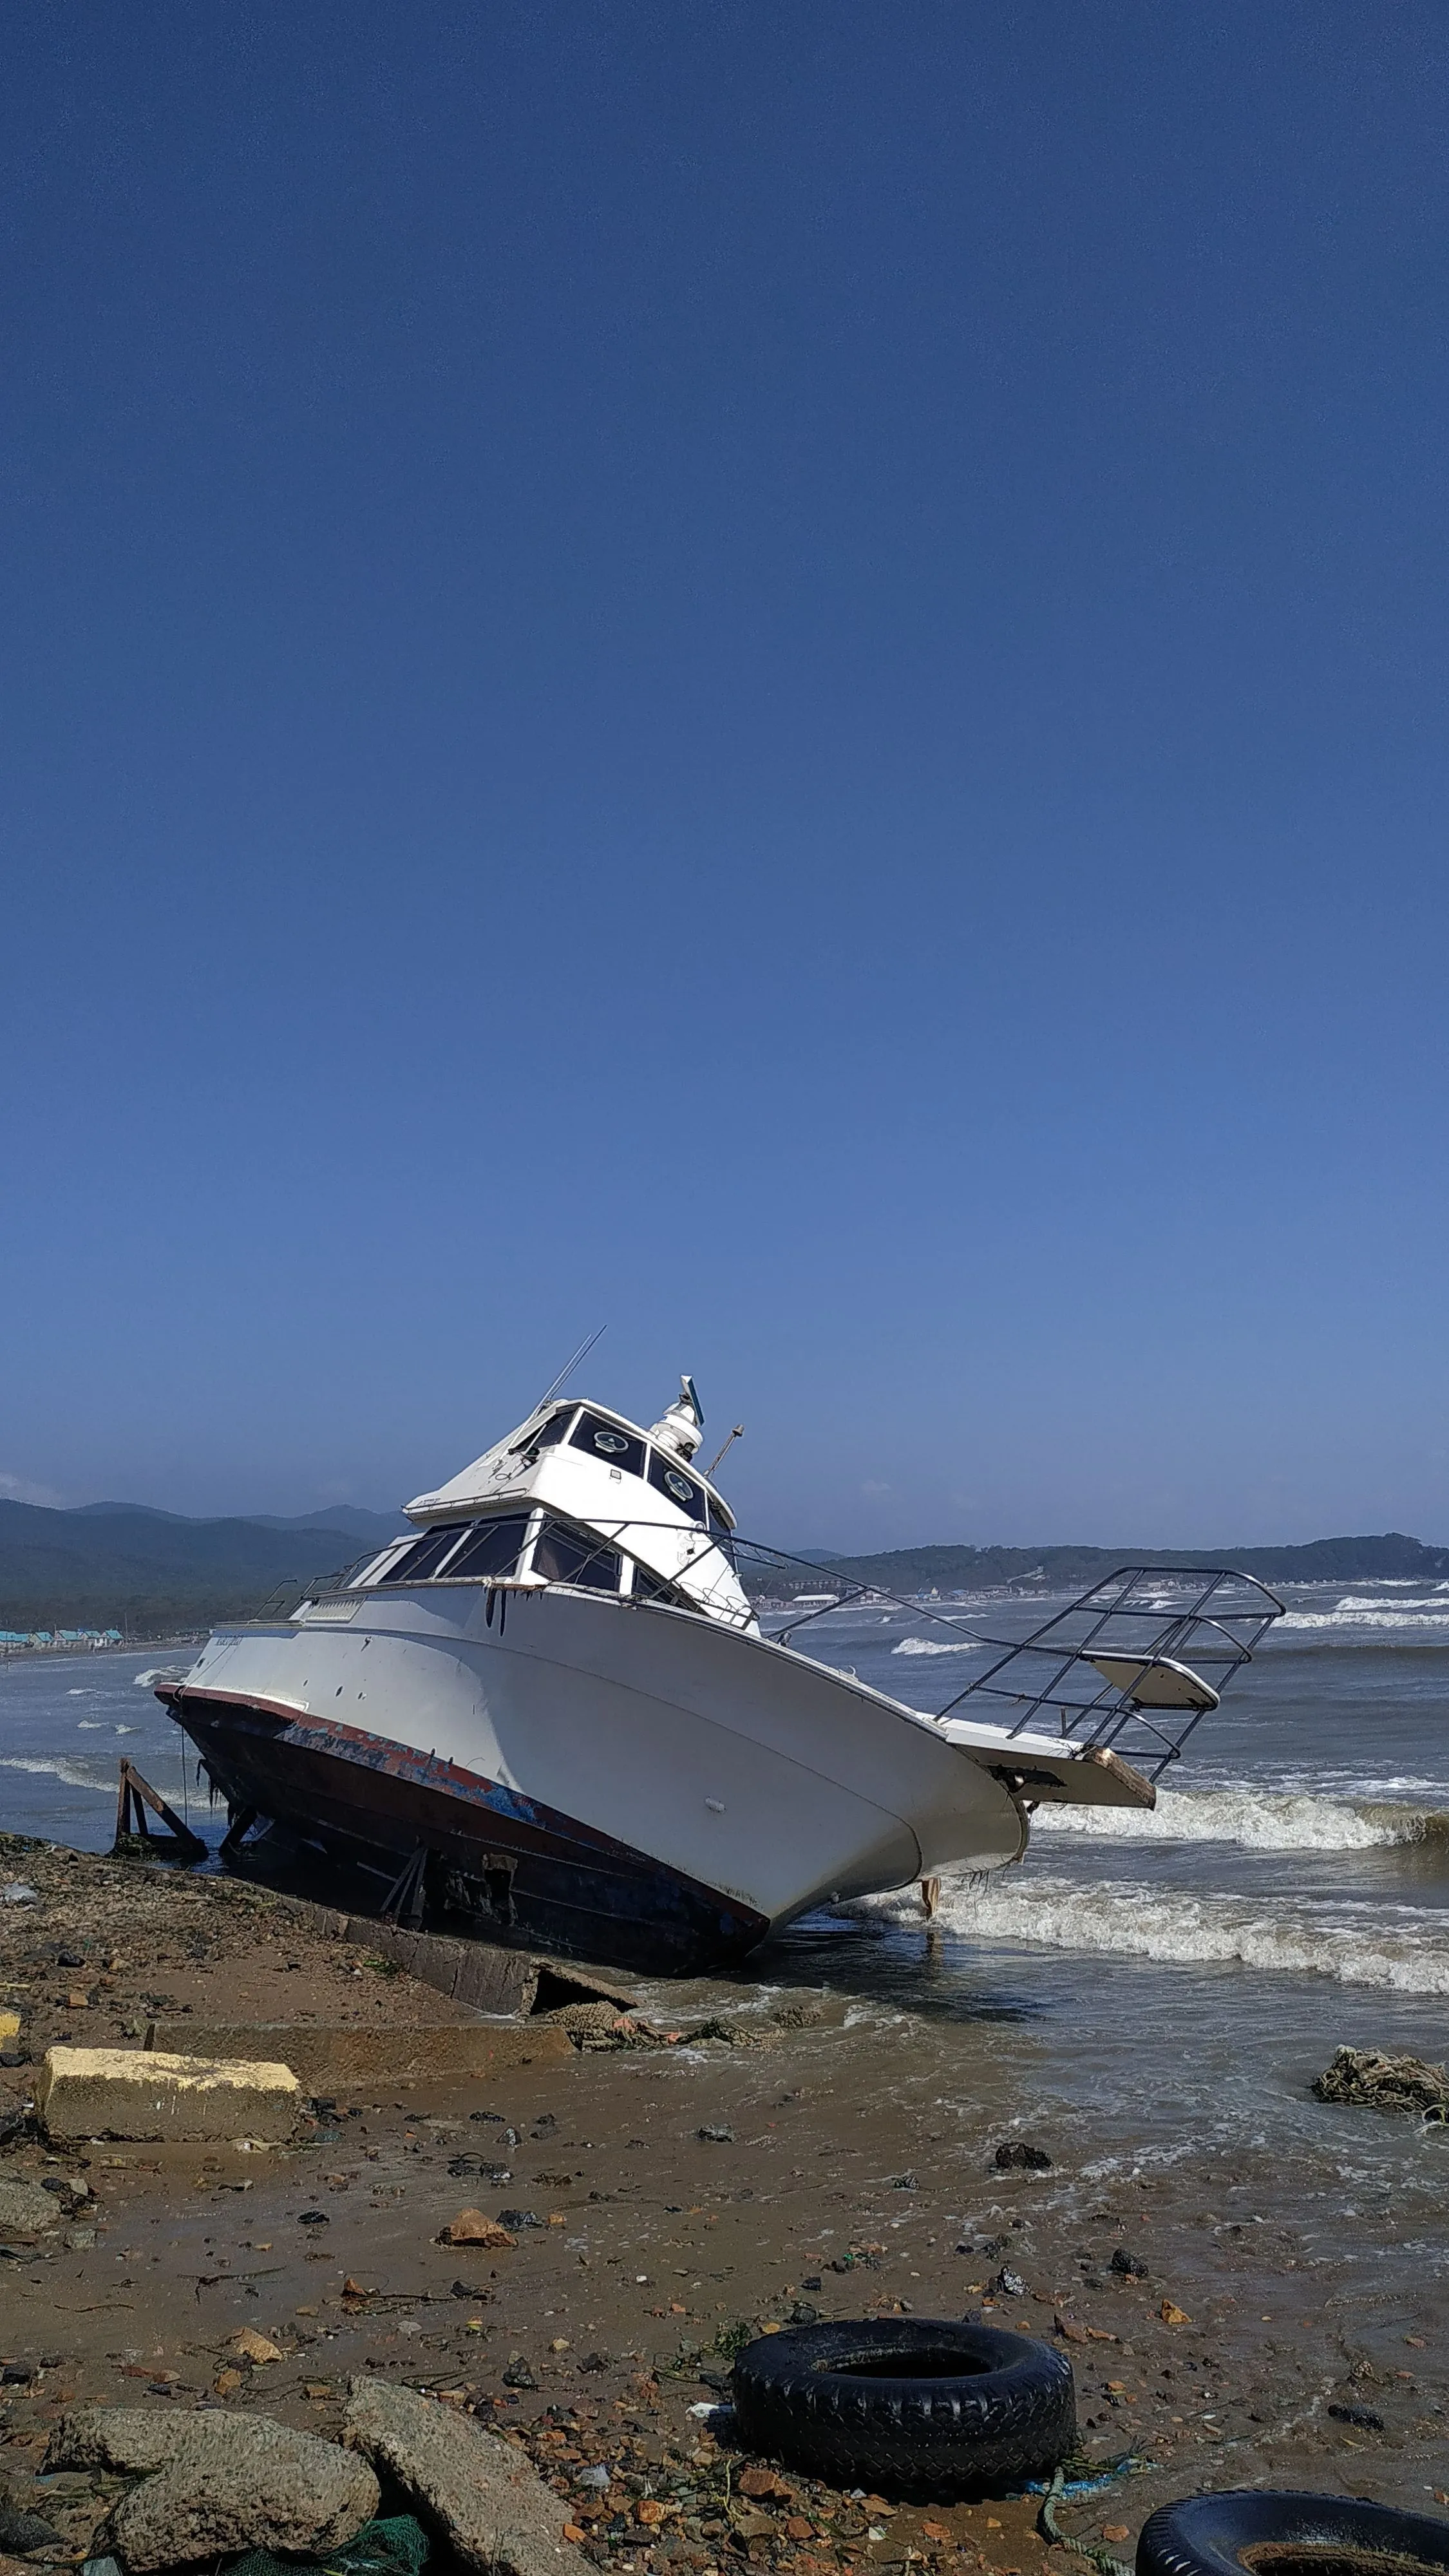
x=578 y=1495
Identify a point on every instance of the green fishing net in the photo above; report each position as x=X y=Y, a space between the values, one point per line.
x=395 y=2546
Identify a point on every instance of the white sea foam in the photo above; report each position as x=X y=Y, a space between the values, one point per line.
x=69 y=1772
x=1361 y=1622
x=936 y=1646
x=1358 y=1610
x=1258 y=1820
x=1404 y=1948
x=1438 y=1599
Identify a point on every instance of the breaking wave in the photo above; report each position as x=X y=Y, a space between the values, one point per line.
x=936 y=1646
x=69 y=1772
x=1408 y=1953
x=1258 y=1820
x=1438 y=1599
x=1359 y=1610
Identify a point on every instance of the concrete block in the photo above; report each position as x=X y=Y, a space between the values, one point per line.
x=216 y=2482
x=329 y=2055
x=151 y=2094
x=483 y=1975
x=493 y=2509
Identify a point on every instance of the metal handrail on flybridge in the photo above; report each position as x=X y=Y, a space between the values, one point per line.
x=1191 y=1623
x=1143 y=1619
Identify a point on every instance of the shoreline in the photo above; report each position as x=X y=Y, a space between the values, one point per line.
x=858 y=2176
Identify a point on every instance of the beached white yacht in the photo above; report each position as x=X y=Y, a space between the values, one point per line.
x=548 y=1709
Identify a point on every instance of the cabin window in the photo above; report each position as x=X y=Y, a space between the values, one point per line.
x=652 y=1587
x=605 y=1440
x=567 y=1555
x=376 y=1571
x=553 y=1431
x=719 y=1530
x=669 y=1478
x=426 y=1555
x=491 y=1552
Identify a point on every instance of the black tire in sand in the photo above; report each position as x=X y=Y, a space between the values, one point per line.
x=910 y=2406
x=1262 y=2532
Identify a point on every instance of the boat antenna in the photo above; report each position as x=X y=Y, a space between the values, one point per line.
x=569 y=1367
x=738 y=1433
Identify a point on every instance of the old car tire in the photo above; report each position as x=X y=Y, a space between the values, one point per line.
x=1287 y=2534
x=914 y=2406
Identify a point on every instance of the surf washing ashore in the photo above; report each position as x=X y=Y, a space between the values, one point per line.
x=1296 y=1882
x=573 y=2241
x=1146 y=2002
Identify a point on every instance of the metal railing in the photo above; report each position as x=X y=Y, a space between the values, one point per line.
x=1211 y=1618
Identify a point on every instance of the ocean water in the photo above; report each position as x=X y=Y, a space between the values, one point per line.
x=65 y=1722
x=1178 y=1977
x=1180 y=1972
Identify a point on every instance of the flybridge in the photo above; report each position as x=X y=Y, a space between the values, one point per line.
x=580 y=1495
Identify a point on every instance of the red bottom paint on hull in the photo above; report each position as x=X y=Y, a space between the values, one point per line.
x=490 y=1860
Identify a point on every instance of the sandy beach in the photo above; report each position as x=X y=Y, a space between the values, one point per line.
x=1226 y=2326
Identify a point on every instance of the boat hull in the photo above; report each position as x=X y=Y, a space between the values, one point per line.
x=626 y=1783
x=510 y=1869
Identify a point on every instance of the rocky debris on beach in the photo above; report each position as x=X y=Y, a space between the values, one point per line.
x=597 y=2348
x=1367 y=2076
x=213 y=2483
x=495 y=2512
x=22 y=2533
x=606 y=2026
x=26 y=2210
x=474 y=2227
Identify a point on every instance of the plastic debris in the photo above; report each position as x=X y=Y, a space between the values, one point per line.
x=394 y=2545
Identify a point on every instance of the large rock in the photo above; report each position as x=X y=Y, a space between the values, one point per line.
x=136 y=2438
x=218 y=2483
x=25 y=2209
x=145 y=2093
x=499 y=2517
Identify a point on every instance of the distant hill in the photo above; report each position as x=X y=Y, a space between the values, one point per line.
x=338 y=1516
x=123 y=1565
x=126 y=1565
x=1389 y=1559
x=372 y=1529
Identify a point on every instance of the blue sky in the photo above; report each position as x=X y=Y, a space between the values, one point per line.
x=772 y=676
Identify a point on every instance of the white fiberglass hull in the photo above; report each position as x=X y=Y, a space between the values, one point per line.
x=614 y=1779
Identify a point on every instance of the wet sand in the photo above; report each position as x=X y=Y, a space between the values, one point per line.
x=858 y=2178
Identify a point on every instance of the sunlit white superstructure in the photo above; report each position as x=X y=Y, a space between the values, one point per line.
x=548 y=1711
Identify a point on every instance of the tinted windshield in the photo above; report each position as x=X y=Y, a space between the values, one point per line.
x=426 y=1554
x=568 y=1555
x=492 y=1551
x=652 y=1587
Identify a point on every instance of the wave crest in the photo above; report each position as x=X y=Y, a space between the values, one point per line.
x=1255 y=1819
x=70 y=1772
x=1117 y=1919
